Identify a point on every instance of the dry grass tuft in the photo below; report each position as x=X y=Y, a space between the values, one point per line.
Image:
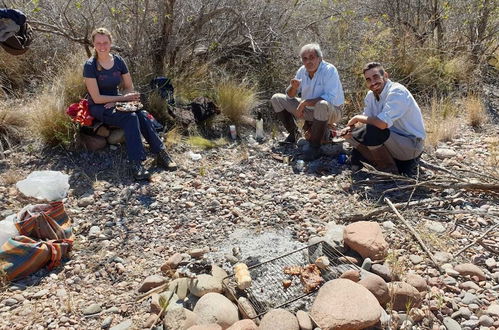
x=158 y=107
x=442 y=123
x=475 y=110
x=202 y=143
x=10 y=177
x=48 y=116
x=50 y=122
x=192 y=83
x=173 y=137
x=235 y=100
x=11 y=126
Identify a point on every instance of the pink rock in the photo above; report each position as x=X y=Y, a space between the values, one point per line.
x=179 y=319
x=216 y=308
x=243 y=325
x=172 y=263
x=403 y=296
x=352 y=275
x=212 y=326
x=343 y=304
x=471 y=270
x=279 y=319
x=152 y=282
x=377 y=286
x=417 y=281
x=366 y=238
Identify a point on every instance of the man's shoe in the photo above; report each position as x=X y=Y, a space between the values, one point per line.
x=288 y=121
x=408 y=167
x=314 y=147
x=139 y=172
x=311 y=153
x=164 y=160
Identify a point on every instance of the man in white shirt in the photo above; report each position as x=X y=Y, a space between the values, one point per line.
x=321 y=92
x=390 y=133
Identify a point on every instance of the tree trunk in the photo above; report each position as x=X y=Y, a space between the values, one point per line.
x=161 y=44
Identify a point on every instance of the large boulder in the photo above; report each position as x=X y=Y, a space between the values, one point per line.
x=279 y=319
x=179 y=319
x=343 y=304
x=366 y=238
x=216 y=308
x=376 y=285
x=403 y=296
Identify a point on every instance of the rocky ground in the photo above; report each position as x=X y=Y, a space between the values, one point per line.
x=243 y=201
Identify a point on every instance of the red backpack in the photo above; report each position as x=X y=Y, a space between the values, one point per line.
x=80 y=113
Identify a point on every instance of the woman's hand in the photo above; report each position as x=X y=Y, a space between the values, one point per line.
x=133 y=96
x=109 y=105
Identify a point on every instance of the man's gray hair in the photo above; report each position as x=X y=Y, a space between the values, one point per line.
x=310 y=47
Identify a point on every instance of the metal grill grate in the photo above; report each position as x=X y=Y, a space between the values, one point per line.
x=267 y=290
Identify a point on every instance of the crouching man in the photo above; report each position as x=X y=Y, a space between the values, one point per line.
x=321 y=92
x=390 y=133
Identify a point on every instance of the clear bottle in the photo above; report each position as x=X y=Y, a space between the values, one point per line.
x=259 y=127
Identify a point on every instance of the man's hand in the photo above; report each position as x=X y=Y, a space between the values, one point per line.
x=300 y=111
x=295 y=83
x=109 y=105
x=357 y=119
x=346 y=132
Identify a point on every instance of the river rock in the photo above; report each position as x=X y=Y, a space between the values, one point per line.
x=243 y=325
x=366 y=238
x=152 y=282
x=471 y=270
x=417 y=281
x=376 y=285
x=216 y=308
x=343 y=304
x=179 y=319
x=444 y=153
x=403 y=295
x=279 y=319
x=304 y=321
x=204 y=284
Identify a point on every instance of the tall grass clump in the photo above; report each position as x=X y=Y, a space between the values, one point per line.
x=442 y=122
x=48 y=111
x=11 y=126
x=194 y=82
x=475 y=111
x=235 y=100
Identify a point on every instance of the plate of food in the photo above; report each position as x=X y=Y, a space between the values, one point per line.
x=129 y=106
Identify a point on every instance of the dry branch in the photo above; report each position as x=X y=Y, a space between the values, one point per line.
x=477 y=240
x=413 y=232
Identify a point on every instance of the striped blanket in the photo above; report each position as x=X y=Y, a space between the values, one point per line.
x=46 y=238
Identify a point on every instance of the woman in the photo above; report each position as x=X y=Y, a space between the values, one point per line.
x=103 y=73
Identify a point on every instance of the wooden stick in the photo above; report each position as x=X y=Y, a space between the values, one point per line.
x=413 y=232
x=150 y=292
x=382 y=209
x=477 y=240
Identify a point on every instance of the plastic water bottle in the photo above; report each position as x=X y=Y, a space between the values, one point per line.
x=300 y=165
x=259 y=127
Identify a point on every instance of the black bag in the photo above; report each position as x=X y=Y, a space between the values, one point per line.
x=165 y=88
x=203 y=108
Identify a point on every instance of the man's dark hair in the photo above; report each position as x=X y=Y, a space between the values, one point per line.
x=372 y=65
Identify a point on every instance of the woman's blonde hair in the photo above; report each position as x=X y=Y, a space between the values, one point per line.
x=101 y=31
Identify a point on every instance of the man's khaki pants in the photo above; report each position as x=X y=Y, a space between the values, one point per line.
x=323 y=110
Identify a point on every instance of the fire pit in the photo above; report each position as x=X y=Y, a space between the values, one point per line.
x=273 y=288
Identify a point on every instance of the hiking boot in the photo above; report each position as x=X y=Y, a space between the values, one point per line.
x=316 y=133
x=408 y=167
x=355 y=160
x=288 y=121
x=139 y=172
x=383 y=160
x=164 y=160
